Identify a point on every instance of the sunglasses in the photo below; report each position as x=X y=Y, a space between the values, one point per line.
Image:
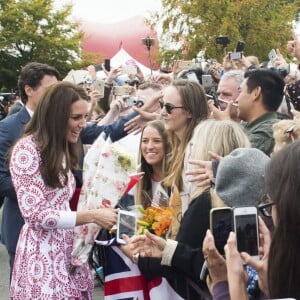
x=169 y=107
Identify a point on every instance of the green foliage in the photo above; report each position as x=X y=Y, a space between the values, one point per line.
x=31 y=30
x=195 y=24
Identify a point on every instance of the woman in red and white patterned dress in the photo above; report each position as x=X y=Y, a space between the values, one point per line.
x=40 y=166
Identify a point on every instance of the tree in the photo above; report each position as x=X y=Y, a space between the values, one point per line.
x=32 y=30
x=195 y=24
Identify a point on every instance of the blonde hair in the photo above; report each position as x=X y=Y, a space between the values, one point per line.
x=285 y=132
x=220 y=137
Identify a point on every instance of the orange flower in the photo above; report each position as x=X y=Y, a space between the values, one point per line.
x=156 y=219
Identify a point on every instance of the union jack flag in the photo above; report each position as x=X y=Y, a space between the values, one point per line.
x=124 y=281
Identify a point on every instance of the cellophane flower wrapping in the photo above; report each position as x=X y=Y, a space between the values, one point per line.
x=106 y=175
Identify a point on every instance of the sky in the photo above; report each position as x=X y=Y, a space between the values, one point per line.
x=110 y=11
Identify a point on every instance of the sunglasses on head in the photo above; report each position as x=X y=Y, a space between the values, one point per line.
x=169 y=107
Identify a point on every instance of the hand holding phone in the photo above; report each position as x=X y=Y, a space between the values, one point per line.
x=127 y=224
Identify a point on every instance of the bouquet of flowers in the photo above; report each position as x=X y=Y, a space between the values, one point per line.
x=106 y=177
x=155 y=219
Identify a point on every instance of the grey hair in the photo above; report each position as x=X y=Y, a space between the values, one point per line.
x=237 y=74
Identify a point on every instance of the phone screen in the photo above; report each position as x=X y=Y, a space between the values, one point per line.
x=272 y=55
x=126 y=225
x=246 y=233
x=191 y=76
x=221 y=227
x=207 y=81
x=235 y=55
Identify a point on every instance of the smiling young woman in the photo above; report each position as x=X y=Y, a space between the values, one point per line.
x=41 y=167
x=154 y=149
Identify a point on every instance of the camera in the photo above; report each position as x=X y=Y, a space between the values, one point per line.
x=222 y=40
x=134 y=102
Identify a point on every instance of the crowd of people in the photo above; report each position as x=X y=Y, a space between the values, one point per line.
x=200 y=146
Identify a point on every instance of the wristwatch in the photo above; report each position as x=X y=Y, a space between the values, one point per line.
x=135 y=258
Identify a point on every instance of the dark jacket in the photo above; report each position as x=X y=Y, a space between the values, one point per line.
x=11 y=128
x=260 y=132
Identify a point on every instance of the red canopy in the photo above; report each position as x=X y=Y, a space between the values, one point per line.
x=107 y=39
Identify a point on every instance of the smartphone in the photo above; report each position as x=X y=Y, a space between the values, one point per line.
x=207 y=81
x=129 y=69
x=221 y=226
x=235 y=55
x=122 y=90
x=246 y=229
x=107 y=64
x=272 y=54
x=185 y=64
x=191 y=76
x=99 y=86
x=127 y=224
x=240 y=46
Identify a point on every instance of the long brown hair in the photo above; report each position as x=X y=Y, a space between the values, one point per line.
x=283 y=187
x=145 y=183
x=194 y=101
x=49 y=127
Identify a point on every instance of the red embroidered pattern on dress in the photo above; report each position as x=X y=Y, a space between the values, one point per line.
x=44 y=248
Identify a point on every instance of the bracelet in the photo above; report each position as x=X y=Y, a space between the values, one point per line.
x=135 y=258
